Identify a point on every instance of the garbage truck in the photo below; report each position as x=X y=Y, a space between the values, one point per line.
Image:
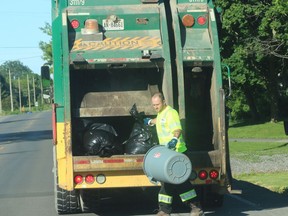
x=110 y=55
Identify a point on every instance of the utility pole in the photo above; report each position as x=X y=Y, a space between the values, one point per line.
x=28 y=89
x=20 y=101
x=11 y=94
x=41 y=85
x=34 y=93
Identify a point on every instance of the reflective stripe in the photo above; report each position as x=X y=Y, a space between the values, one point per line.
x=165 y=198
x=188 y=195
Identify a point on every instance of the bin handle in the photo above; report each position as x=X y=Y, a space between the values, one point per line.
x=153 y=180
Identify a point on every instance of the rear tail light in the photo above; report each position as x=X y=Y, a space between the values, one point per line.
x=201 y=20
x=101 y=179
x=89 y=179
x=75 y=24
x=214 y=174
x=78 y=179
x=188 y=20
x=203 y=175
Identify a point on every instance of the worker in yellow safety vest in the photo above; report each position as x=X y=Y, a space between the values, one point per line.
x=169 y=132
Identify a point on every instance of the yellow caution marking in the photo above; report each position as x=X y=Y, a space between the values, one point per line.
x=118 y=43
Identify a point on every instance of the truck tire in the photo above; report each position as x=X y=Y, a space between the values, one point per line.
x=90 y=200
x=67 y=202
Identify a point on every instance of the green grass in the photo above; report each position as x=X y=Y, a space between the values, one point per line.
x=276 y=182
x=264 y=130
x=26 y=109
x=252 y=152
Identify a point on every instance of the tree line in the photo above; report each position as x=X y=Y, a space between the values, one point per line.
x=254 y=43
x=253 y=38
x=21 y=90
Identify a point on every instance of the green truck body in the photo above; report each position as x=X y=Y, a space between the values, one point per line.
x=109 y=55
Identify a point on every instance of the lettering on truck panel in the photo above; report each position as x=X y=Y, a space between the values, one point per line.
x=197 y=1
x=118 y=43
x=76 y=2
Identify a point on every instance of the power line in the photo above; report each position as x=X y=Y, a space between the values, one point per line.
x=19 y=47
x=23 y=12
x=21 y=58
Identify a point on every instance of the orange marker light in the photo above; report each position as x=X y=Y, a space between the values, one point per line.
x=188 y=20
x=91 y=25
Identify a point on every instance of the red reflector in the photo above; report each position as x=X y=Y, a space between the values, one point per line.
x=113 y=160
x=82 y=162
x=203 y=174
x=139 y=160
x=214 y=174
x=89 y=179
x=75 y=24
x=208 y=181
x=201 y=20
x=78 y=179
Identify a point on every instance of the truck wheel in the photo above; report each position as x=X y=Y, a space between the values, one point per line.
x=90 y=201
x=67 y=202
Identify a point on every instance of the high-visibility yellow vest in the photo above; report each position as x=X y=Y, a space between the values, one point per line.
x=166 y=123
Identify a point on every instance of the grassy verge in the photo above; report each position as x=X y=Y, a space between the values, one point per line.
x=263 y=130
x=276 y=182
x=254 y=152
x=26 y=109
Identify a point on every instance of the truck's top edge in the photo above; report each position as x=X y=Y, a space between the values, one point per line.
x=115 y=3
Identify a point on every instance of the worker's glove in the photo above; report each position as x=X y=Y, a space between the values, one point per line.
x=172 y=143
x=147 y=121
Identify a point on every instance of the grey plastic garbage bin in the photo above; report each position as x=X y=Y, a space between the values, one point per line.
x=164 y=165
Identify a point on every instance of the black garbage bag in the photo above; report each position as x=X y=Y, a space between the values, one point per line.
x=101 y=139
x=141 y=140
x=142 y=137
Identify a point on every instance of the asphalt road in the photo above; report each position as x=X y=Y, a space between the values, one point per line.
x=26 y=180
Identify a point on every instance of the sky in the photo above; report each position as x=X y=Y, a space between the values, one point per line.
x=19 y=31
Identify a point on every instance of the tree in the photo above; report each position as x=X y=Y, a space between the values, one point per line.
x=255 y=45
x=47 y=47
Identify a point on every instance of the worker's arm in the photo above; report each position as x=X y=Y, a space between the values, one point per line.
x=173 y=142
